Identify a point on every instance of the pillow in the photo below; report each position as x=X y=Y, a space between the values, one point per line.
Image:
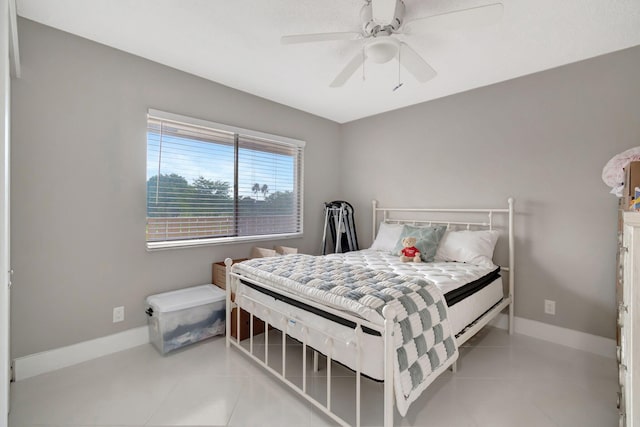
x=427 y=240
x=388 y=235
x=472 y=247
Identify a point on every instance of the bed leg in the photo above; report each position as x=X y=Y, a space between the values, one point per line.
x=315 y=361
x=389 y=316
x=454 y=367
x=227 y=338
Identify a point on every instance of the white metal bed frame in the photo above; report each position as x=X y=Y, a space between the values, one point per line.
x=386 y=329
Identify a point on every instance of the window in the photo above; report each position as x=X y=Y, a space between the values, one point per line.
x=211 y=183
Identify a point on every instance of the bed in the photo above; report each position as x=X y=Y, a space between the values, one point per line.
x=395 y=322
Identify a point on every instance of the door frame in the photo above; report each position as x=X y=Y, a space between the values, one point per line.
x=9 y=61
x=4 y=212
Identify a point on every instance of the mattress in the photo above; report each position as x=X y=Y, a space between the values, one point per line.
x=471 y=291
x=448 y=276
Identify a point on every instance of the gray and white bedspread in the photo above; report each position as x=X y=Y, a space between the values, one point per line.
x=423 y=340
x=447 y=276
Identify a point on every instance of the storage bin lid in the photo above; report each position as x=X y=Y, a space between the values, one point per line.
x=185 y=298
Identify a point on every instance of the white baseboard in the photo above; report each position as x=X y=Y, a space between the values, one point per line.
x=556 y=334
x=47 y=361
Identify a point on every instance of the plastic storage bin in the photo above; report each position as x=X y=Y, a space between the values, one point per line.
x=185 y=316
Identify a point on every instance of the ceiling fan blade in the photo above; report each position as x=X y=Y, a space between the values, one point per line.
x=348 y=70
x=320 y=37
x=415 y=64
x=383 y=11
x=456 y=20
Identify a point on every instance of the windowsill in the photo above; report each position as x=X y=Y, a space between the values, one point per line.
x=178 y=244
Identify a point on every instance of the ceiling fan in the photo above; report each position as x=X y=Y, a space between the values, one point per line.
x=383 y=20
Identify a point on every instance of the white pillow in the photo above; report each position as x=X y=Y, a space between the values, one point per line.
x=388 y=236
x=472 y=247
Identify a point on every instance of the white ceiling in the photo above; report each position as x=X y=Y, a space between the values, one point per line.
x=237 y=43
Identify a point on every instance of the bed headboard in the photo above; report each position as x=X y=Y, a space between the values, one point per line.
x=417 y=216
x=457 y=219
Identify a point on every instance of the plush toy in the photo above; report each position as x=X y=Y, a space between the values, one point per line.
x=409 y=252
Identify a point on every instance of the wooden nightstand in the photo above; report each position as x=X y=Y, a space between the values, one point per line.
x=219 y=273
x=219 y=278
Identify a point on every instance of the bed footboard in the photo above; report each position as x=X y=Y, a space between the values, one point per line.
x=252 y=305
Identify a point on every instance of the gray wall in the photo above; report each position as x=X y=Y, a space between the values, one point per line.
x=78 y=184
x=542 y=139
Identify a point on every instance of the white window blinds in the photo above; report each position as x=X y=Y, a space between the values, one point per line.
x=212 y=183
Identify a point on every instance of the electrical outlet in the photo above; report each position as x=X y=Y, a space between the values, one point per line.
x=118 y=314
x=550 y=307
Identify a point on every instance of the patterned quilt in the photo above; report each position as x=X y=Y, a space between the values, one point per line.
x=423 y=340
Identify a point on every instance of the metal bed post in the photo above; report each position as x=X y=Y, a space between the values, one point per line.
x=358 y=344
x=266 y=338
x=250 y=328
x=389 y=315
x=374 y=205
x=304 y=359
x=285 y=321
x=227 y=263
x=238 y=327
x=329 y=360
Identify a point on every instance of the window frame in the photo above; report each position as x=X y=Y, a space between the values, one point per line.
x=213 y=241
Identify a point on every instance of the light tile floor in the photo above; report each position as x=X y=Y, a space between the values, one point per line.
x=502 y=380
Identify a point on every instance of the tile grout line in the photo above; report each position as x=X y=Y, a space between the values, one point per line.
x=235 y=404
x=160 y=404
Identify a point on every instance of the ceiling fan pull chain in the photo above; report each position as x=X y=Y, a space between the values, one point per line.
x=364 y=61
x=399 y=82
x=399 y=53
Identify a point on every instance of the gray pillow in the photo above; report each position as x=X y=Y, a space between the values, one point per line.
x=427 y=238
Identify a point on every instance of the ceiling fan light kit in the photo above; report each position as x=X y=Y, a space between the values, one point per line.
x=383 y=20
x=382 y=50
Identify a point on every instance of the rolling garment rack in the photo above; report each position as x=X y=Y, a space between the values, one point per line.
x=338 y=219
